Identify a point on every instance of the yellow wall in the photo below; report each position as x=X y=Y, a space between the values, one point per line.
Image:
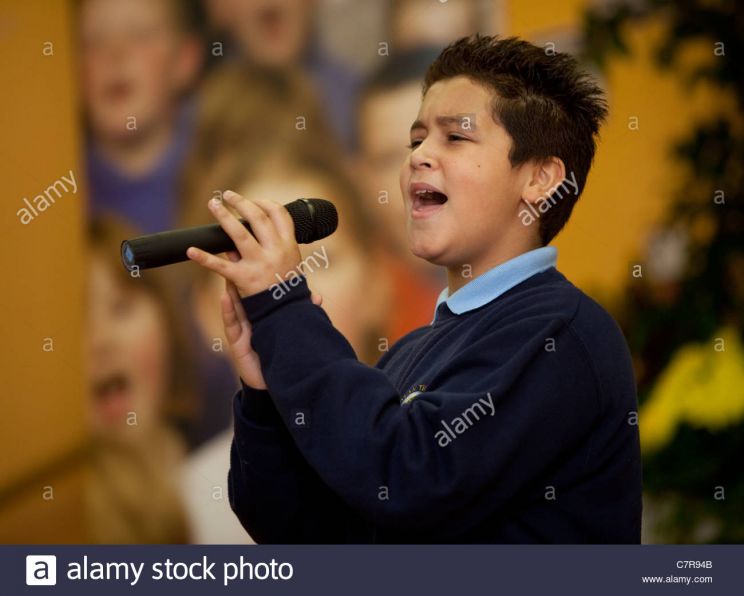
x=634 y=176
x=42 y=418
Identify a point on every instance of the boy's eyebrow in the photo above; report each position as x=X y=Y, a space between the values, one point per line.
x=447 y=120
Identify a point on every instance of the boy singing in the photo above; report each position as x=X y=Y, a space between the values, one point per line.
x=511 y=417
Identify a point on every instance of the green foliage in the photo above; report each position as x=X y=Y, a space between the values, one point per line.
x=663 y=315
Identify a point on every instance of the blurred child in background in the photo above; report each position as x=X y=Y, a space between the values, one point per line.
x=242 y=112
x=140 y=387
x=138 y=59
x=281 y=34
x=342 y=268
x=248 y=141
x=389 y=103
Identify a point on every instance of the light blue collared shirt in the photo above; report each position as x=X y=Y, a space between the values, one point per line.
x=494 y=282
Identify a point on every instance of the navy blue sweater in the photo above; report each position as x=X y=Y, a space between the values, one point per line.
x=518 y=427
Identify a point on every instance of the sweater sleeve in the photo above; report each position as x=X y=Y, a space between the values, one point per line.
x=457 y=453
x=273 y=491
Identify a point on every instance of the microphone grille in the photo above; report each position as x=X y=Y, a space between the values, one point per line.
x=313 y=219
x=326 y=218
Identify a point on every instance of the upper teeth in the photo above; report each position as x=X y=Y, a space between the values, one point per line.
x=421 y=192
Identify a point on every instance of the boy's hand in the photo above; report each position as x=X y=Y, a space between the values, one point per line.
x=238 y=333
x=273 y=250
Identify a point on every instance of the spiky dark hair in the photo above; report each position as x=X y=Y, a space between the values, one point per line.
x=549 y=106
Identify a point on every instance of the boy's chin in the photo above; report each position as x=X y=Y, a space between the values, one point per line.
x=428 y=251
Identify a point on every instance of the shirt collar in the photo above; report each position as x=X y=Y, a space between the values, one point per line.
x=494 y=282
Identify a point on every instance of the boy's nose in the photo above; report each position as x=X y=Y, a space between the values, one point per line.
x=422 y=158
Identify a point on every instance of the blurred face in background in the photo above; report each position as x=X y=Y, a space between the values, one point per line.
x=128 y=353
x=432 y=22
x=269 y=32
x=347 y=283
x=136 y=61
x=385 y=119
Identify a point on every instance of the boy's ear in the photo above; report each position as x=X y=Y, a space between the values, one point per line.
x=545 y=176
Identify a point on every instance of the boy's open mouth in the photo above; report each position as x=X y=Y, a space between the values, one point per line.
x=425 y=199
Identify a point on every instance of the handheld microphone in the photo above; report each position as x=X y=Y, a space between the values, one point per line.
x=313 y=219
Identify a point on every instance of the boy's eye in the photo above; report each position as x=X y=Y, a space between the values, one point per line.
x=450 y=137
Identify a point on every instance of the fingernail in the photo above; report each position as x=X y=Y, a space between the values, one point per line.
x=214 y=203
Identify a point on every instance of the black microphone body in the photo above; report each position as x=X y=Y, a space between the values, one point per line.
x=313 y=219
